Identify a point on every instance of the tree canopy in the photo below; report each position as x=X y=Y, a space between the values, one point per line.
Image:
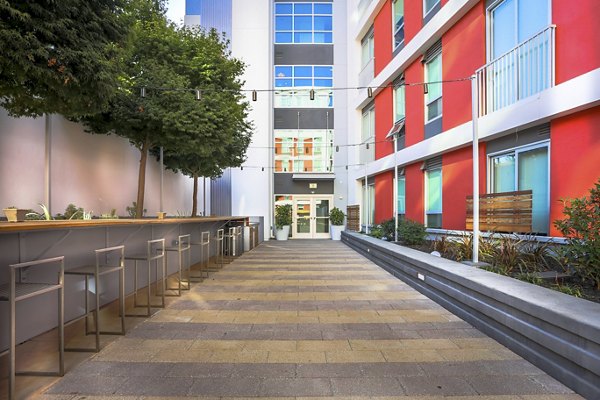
x=60 y=56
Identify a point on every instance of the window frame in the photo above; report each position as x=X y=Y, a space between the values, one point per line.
x=425 y=11
x=426 y=74
x=370 y=140
x=368 y=39
x=293 y=31
x=401 y=178
x=303 y=91
x=426 y=184
x=399 y=85
x=395 y=45
x=295 y=141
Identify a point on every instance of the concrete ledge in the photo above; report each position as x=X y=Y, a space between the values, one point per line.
x=558 y=333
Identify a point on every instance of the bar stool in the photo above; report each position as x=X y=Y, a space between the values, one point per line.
x=204 y=244
x=183 y=247
x=154 y=253
x=239 y=248
x=15 y=291
x=229 y=243
x=96 y=271
x=220 y=247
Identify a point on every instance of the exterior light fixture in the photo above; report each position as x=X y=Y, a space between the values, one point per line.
x=263 y=169
x=143 y=92
x=242 y=168
x=254 y=95
x=369 y=92
x=198 y=94
x=337 y=149
x=312 y=94
x=425 y=88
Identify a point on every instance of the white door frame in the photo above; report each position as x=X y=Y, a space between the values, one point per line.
x=312 y=217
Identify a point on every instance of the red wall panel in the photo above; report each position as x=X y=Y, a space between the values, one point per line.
x=413 y=18
x=415 y=101
x=384 y=110
x=577 y=48
x=414 y=192
x=457 y=184
x=463 y=48
x=382 y=31
x=384 y=196
x=574 y=160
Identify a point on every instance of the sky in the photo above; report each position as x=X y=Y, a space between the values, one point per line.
x=176 y=10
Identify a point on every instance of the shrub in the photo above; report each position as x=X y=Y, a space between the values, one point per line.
x=131 y=210
x=581 y=227
x=387 y=229
x=376 y=231
x=283 y=215
x=411 y=232
x=336 y=216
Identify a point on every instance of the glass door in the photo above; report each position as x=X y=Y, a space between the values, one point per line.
x=311 y=217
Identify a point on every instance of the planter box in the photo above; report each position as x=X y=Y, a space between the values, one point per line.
x=283 y=233
x=15 y=214
x=336 y=232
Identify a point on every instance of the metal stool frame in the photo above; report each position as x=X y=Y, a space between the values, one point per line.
x=183 y=246
x=96 y=271
x=204 y=244
x=219 y=247
x=17 y=291
x=149 y=257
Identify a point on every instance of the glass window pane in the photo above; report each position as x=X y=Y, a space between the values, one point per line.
x=303 y=82
x=323 y=37
x=303 y=37
x=283 y=23
x=283 y=83
x=323 y=82
x=533 y=175
x=324 y=72
x=429 y=4
x=323 y=24
x=533 y=17
x=399 y=36
x=305 y=8
x=399 y=103
x=283 y=37
x=323 y=9
x=434 y=109
x=302 y=72
x=398 y=12
x=401 y=195
x=434 y=74
x=503 y=28
x=503 y=173
x=283 y=72
x=302 y=23
x=283 y=8
x=433 y=202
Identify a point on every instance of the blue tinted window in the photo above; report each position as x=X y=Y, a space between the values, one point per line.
x=283 y=72
x=303 y=82
x=322 y=23
x=326 y=72
x=283 y=23
x=303 y=37
x=324 y=82
x=283 y=8
x=283 y=82
x=283 y=37
x=323 y=37
x=193 y=7
x=323 y=9
x=303 y=8
x=303 y=72
x=303 y=23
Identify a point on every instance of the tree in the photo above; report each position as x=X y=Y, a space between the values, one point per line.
x=212 y=134
x=60 y=56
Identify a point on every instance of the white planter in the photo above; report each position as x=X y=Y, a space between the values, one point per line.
x=336 y=231
x=283 y=233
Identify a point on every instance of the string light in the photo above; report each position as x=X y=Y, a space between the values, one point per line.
x=369 y=92
x=198 y=95
x=254 y=95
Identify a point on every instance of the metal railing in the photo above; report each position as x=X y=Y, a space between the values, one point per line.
x=523 y=71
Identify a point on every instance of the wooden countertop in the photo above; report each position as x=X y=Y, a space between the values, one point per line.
x=60 y=224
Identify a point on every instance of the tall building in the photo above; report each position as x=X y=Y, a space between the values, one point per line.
x=338 y=80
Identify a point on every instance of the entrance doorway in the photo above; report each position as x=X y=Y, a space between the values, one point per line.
x=311 y=217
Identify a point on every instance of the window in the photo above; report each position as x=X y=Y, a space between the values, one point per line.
x=433 y=97
x=303 y=150
x=399 y=101
x=524 y=168
x=368 y=204
x=433 y=198
x=401 y=187
x=398 y=13
x=367 y=148
x=303 y=23
x=367 y=50
x=428 y=5
x=294 y=83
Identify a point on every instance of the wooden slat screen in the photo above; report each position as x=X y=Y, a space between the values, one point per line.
x=503 y=212
x=353 y=217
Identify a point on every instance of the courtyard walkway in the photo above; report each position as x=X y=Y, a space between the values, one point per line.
x=303 y=319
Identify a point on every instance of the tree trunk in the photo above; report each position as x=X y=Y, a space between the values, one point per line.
x=139 y=210
x=195 y=197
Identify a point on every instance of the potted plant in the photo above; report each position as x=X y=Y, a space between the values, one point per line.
x=336 y=217
x=283 y=221
x=14 y=214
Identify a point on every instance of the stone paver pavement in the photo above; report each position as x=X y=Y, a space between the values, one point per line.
x=306 y=319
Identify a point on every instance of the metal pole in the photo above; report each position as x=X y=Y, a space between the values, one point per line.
x=396 y=188
x=161 y=177
x=204 y=196
x=367 y=199
x=47 y=166
x=475 y=110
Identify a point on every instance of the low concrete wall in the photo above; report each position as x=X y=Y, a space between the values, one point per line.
x=558 y=333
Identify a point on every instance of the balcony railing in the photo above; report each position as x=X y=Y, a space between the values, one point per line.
x=367 y=73
x=524 y=71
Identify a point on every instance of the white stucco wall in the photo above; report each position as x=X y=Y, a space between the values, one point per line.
x=96 y=172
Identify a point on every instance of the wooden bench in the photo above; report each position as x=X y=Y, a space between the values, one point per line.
x=503 y=212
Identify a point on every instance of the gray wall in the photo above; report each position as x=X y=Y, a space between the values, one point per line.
x=284 y=184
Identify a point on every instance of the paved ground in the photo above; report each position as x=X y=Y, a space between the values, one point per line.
x=305 y=319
